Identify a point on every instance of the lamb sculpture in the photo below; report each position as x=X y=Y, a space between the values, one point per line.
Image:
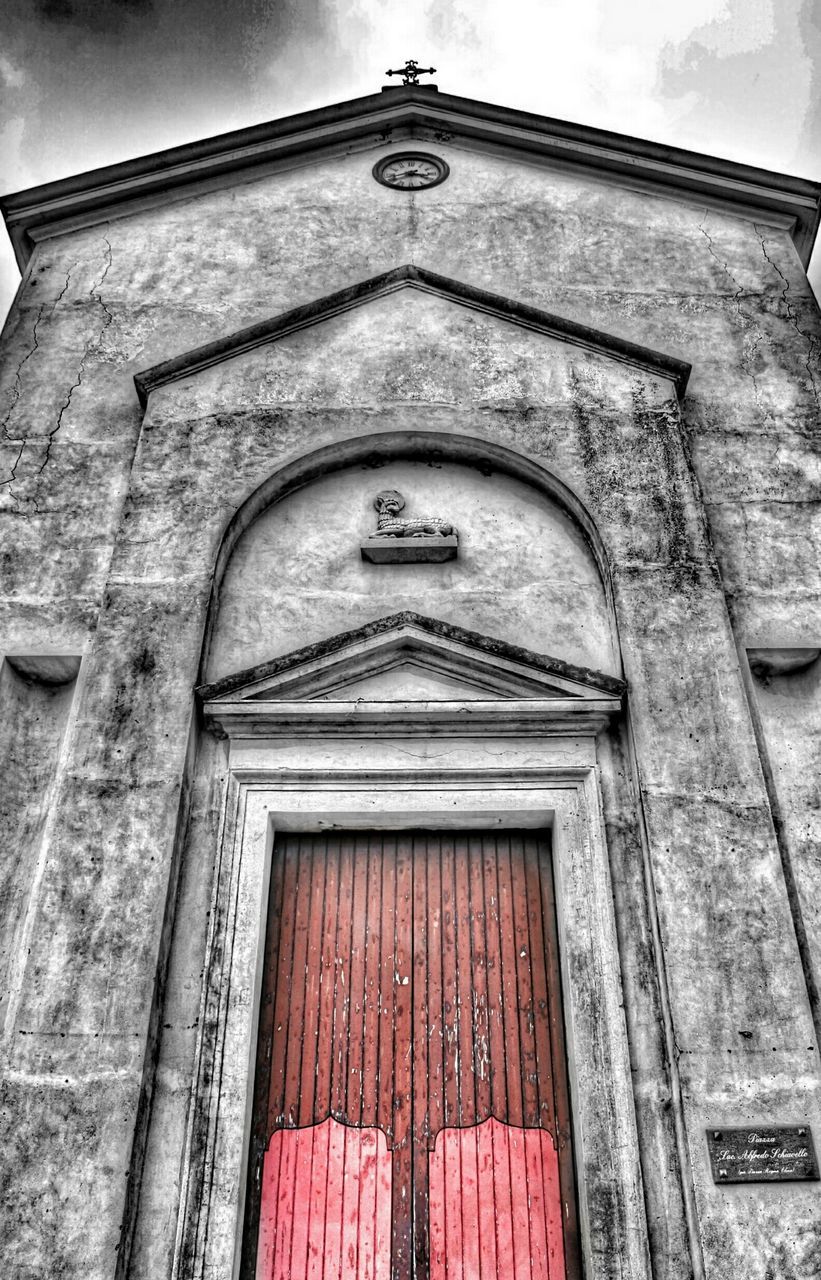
x=389 y=503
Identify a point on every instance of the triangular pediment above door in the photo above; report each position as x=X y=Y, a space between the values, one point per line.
x=408 y=663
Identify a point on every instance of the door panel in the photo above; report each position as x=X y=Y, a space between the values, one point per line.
x=495 y=1205
x=325 y=1208
x=411 y=988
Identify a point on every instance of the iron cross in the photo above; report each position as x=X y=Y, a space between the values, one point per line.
x=411 y=72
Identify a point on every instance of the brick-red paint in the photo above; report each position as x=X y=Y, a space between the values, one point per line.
x=326 y=1205
x=495 y=1205
x=412 y=992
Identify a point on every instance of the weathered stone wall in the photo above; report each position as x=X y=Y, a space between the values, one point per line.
x=33 y=719
x=524 y=572
x=789 y=707
x=725 y=294
x=117 y=522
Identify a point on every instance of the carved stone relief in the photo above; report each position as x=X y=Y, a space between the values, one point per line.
x=405 y=540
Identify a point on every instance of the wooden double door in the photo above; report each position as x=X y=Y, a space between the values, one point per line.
x=411 y=1117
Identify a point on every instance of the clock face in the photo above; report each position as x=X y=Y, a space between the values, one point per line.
x=410 y=171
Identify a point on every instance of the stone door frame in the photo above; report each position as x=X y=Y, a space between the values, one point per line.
x=365 y=779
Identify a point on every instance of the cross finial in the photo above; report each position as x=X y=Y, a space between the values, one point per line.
x=411 y=72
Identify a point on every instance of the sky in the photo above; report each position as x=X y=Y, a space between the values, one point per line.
x=85 y=83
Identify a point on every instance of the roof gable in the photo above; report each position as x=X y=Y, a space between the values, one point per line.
x=412 y=111
x=412 y=277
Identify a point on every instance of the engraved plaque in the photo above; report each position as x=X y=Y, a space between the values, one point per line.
x=762 y=1154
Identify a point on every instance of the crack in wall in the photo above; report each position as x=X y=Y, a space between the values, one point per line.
x=18 y=377
x=749 y=322
x=17 y=391
x=93 y=346
x=792 y=318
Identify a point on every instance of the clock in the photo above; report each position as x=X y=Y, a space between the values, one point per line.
x=410 y=171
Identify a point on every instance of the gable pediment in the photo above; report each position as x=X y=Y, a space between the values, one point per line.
x=408 y=668
x=410 y=276
x=402 y=112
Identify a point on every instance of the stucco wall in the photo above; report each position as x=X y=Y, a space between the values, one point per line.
x=524 y=572
x=117 y=521
x=790 y=710
x=721 y=292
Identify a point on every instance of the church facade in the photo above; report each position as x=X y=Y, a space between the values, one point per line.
x=411 y=612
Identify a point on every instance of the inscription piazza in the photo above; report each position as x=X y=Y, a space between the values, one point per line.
x=762 y=1154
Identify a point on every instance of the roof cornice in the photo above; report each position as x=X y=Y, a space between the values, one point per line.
x=101 y=194
x=412 y=277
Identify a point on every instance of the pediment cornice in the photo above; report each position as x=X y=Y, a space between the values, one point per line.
x=487 y=683
x=409 y=276
x=394 y=114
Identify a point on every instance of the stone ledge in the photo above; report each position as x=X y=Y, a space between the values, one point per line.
x=780 y=661
x=409 y=550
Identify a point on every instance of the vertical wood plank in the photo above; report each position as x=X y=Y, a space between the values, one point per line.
x=385 y=1112
x=489 y=1268
x=518 y=1199
x=372 y=1002
x=313 y=973
x=420 y=1018
x=450 y=1041
x=296 y=1018
x=382 y=1214
x=464 y=1065
x=438 y=1228
x=553 y=1207
x=350 y=1204
x=501 y=1191
x=495 y=1009
x=435 y=1029
x=454 y=1223
x=402 y=1246
x=282 y=1000
x=335 y=1175
x=284 y=1216
x=481 y=1028
x=339 y=1065
x=303 y=1139
x=541 y=1007
x=266 y=1248
x=537 y=1219
x=525 y=964
x=469 y=1197
x=356 y=1015
x=327 y=984
x=510 y=994
x=366 y=1212
x=318 y=1200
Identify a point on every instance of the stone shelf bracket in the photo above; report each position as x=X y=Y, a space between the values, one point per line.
x=780 y=662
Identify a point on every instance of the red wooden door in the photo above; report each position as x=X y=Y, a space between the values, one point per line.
x=411 y=1114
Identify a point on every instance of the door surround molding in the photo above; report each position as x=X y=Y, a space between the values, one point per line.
x=305 y=782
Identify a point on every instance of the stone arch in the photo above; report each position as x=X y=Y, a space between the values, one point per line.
x=383 y=449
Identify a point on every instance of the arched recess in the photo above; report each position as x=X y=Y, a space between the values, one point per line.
x=382 y=448
x=503 y=766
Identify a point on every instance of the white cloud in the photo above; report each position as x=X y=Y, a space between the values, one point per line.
x=13 y=77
